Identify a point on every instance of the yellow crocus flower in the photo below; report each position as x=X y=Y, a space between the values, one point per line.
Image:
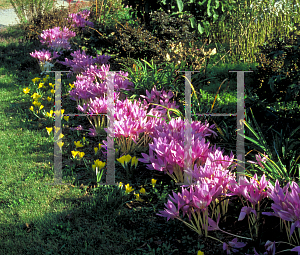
x=200 y=253
x=26 y=90
x=61 y=136
x=49 y=130
x=56 y=129
x=35 y=96
x=35 y=79
x=142 y=190
x=57 y=113
x=66 y=118
x=127 y=158
x=49 y=99
x=121 y=160
x=74 y=153
x=96 y=150
x=49 y=114
x=78 y=144
x=52 y=91
x=138 y=197
x=41 y=85
x=128 y=188
x=153 y=182
x=71 y=85
x=60 y=144
x=134 y=161
x=81 y=154
x=31 y=108
x=51 y=85
x=41 y=107
x=98 y=164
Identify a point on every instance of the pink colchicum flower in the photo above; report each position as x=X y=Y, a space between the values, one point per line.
x=297 y=249
x=56 y=38
x=250 y=190
x=81 y=62
x=198 y=198
x=80 y=19
x=259 y=160
x=270 y=247
x=246 y=211
x=286 y=204
x=44 y=55
x=232 y=245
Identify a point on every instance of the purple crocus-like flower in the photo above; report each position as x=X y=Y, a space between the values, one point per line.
x=168 y=143
x=246 y=211
x=270 y=247
x=197 y=198
x=286 y=204
x=81 y=62
x=171 y=212
x=56 y=38
x=232 y=245
x=250 y=190
x=80 y=19
x=44 y=55
x=77 y=128
x=259 y=160
x=93 y=132
x=297 y=249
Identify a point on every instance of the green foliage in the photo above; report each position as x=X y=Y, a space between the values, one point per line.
x=55 y=18
x=166 y=43
x=170 y=28
x=278 y=71
x=27 y=9
x=103 y=10
x=142 y=9
x=204 y=12
x=282 y=152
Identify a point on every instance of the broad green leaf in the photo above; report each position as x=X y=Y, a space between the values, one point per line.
x=193 y=22
x=215 y=16
x=180 y=5
x=217 y=4
x=201 y=3
x=208 y=8
x=200 y=29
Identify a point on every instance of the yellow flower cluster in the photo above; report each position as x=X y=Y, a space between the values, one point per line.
x=128 y=189
x=46 y=86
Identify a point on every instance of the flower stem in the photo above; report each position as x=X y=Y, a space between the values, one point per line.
x=235 y=235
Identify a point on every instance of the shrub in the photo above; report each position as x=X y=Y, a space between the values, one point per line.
x=55 y=18
x=278 y=70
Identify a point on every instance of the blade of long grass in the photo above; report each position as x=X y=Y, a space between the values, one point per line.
x=217 y=95
x=261 y=135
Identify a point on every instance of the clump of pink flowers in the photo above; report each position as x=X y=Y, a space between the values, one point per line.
x=286 y=203
x=56 y=38
x=81 y=62
x=80 y=19
x=44 y=55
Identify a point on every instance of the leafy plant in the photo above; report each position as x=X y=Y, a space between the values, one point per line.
x=282 y=146
x=204 y=12
x=28 y=9
x=278 y=72
x=56 y=17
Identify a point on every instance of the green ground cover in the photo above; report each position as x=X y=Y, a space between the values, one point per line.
x=37 y=217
